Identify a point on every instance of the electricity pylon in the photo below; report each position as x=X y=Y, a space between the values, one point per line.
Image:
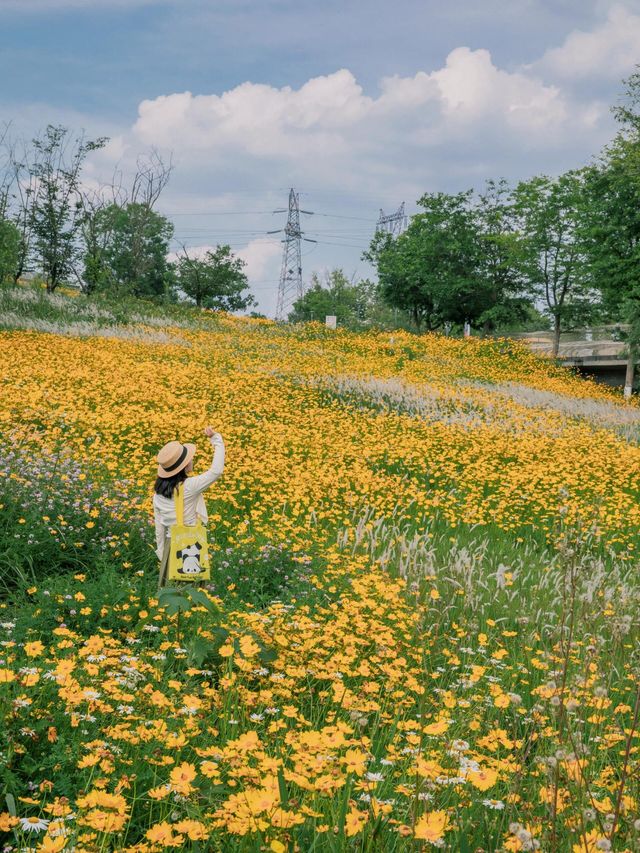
x=291 y=287
x=392 y=223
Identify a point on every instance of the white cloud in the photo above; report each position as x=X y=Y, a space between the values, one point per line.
x=611 y=50
x=262 y=257
x=470 y=88
x=256 y=118
x=258 y=255
x=331 y=121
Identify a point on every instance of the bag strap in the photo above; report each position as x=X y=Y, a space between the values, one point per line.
x=179 y=502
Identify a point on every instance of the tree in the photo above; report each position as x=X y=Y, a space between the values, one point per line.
x=20 y=192
x=102 y=227
x=333 y=296
x=613 y=185
x=509 y=295
x=56 y=212
x=130 y=248
x=6 y=177
x=9 y=249
x=216 y=280
x=96 y=237
x=434 y=269
x=357 y=305
x=552 y=233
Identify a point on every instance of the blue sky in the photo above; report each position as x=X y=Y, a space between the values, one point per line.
x=357 y=104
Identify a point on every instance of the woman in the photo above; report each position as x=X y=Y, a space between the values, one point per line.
x=175 y=462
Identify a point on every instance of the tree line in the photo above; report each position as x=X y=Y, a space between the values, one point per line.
x=564 y=250
x=104 y=238
x=561 y=250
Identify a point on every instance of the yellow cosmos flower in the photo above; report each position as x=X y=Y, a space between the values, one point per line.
x=52 y=845
x=181 y=778
x=431 y=826
x=482 y=779
x=7 y=822
x=162 y=833
x=354 y=821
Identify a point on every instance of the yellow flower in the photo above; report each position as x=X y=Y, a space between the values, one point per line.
x=431 y=826
x=249 y=647
x=354 y=821
x=193 y=829
x=436 y=728
x=162 y=833
x=355 y=761
x=7 y=822
x=181 y=778
x=482 y=779
x=52 y=845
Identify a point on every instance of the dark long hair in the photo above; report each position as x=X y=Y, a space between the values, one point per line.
x=165 y=486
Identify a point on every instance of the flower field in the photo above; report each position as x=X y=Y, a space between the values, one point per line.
x=422 y=626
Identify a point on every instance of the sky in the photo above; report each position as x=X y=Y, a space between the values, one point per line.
x=359 y=105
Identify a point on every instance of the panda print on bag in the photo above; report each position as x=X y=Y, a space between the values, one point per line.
x=190 y=560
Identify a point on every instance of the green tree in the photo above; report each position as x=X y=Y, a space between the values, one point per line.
x=129 y=249
x=613 y=185
x=9 y=249
x=333 y=296
x=509 y=297
x=356 y=305
x=552 y=221
x=57 y=209
x=434 y=270
x=216 y=280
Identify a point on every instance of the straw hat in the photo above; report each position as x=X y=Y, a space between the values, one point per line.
x=173 y=457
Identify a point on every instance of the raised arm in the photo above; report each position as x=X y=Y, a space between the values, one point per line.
x=203 y=481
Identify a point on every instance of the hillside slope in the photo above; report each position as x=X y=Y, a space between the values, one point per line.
x=423 y=619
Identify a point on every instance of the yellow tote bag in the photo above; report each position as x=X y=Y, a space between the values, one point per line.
x=189 y=556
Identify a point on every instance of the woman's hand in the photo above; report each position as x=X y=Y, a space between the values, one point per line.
x=211 y=433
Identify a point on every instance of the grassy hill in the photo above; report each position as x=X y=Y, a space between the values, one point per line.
x=422 y=626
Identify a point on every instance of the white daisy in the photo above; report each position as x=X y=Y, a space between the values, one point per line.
x=33 y=824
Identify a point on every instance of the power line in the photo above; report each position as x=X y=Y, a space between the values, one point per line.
x=262 y=213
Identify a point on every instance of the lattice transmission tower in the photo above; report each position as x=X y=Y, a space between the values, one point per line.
x=392 y=223
x=291 y=287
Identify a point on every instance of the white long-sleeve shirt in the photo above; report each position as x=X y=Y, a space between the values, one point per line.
x=164 y=509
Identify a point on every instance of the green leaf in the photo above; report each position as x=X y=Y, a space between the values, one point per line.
x=173 y=601
x=282 y=787
x=267 y=655
x=200 y=650
x=11 y=805
x=201 y=598
x=221 y=634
